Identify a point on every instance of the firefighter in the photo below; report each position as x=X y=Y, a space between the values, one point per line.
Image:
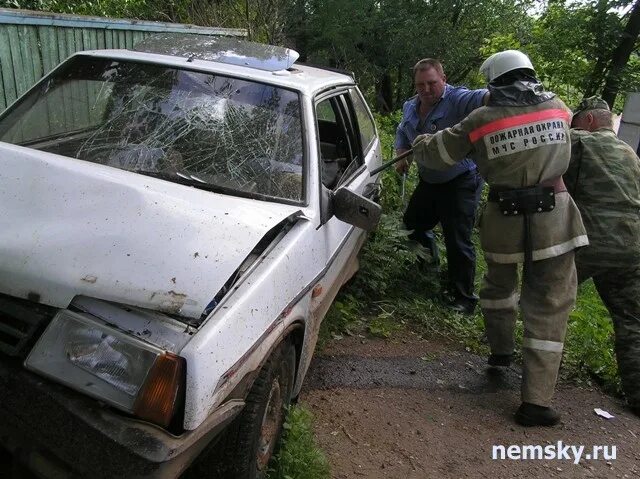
x=520 y=141
x=604 y=180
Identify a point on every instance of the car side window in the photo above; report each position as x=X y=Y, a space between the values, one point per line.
x=340 y=150
x=366 y=124
x=325 y=112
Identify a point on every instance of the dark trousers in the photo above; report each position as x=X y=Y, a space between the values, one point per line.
x=452 y=204
x=619 y=289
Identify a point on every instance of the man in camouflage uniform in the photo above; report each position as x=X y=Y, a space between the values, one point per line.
x=604 y=180
x=520 y=142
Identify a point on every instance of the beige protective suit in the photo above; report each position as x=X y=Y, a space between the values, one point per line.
x=516 y=147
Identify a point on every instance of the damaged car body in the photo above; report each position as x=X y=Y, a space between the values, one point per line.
x=176 y=221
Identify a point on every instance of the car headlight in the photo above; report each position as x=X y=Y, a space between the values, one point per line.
x=103 y=362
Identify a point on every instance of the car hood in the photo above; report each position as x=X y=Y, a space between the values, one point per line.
x=70 y=227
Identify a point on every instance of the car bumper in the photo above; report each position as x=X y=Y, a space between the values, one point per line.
x=57 y=432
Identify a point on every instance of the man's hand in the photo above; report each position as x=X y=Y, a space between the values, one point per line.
x=402 y=166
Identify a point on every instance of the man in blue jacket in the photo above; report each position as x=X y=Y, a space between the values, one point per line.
x=447 y=197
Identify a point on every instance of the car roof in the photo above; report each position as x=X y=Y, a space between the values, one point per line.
x=230 y=56
x=232 y=50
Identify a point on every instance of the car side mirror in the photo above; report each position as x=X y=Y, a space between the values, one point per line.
x=355 y=209
x=326 y=205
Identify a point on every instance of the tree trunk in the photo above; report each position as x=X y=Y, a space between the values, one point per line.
x=399 y=98
x=455 y=14
x=249 y=29
x=599 y=70
x=296 y=28
x=384 y=94
x=621 y=55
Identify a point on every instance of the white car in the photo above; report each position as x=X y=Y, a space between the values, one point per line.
x=175 y=222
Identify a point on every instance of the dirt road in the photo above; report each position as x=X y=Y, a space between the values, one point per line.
x=412 y=408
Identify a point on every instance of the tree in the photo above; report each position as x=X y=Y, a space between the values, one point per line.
x=622 y=53
x=573 y=47
x=382 y=39
x=579 y=48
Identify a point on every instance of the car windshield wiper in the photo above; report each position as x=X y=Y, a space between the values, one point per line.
x=185 y=179
x=56 y=137
x=189 y=179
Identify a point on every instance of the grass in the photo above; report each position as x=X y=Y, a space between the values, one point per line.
x=299 y=456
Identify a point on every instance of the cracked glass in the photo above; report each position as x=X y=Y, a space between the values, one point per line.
x=230 y=50
x=205 y=130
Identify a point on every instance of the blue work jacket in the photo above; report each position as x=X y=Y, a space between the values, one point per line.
x=454 y=105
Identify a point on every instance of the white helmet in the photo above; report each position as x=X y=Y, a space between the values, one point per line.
x=503 y=62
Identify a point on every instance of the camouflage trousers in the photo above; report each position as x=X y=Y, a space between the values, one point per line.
x=548 y=294
x=619 y=289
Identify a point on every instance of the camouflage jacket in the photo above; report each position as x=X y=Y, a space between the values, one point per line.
x=514 y=147
x=604 y=180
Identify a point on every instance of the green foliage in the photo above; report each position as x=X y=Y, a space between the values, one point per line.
x=24 y=4
x=384 y=324
x=106 y=8
x=264 y=20
x=383 y=39
x=391 y=272
x=344 y=316
x=570 y=43
x=568 y=63
x=299 y=456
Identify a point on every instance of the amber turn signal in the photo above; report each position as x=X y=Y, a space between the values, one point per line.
x=160 y=394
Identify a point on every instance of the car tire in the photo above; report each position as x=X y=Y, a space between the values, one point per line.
x=252 y=439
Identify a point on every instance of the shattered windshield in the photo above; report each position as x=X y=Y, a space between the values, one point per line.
x=194 y=128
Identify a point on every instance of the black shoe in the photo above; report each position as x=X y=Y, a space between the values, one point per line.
x=533 y=415
x=463 y=307
x=500 y=360
x=635 y=410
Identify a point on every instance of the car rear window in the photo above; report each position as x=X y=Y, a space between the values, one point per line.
x=176 y=124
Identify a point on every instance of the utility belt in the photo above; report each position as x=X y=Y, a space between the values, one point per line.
x=528 y=200
x=539 y=198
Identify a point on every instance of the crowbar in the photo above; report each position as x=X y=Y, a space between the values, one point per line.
x=386 y=165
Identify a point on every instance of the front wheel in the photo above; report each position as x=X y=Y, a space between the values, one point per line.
x=251 y=440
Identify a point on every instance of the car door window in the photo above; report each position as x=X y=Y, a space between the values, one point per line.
x=340 y=149
x=366 y=124
x=325 y=112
